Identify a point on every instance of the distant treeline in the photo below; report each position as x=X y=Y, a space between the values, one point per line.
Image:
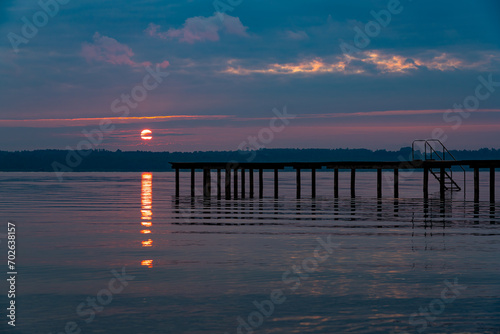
x=103 y=160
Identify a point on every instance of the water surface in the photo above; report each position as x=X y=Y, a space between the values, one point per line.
x=200 y=265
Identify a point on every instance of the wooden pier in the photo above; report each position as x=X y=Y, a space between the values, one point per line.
x=442 y=171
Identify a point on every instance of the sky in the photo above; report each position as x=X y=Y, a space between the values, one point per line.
x=239 y=74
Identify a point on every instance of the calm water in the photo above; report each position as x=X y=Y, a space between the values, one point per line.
x=199 y=266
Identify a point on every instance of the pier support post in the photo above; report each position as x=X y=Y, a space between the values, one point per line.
x=235 y=185
x=396 y=183
x=313 y=183
x=177 y=190
x=379 y=183
x=227 y=191
x=192 y=182
x=441 y=183
x=492 y=185
x=250 y=171
x=426 y=182
x=275 y=183
x=207 y=186
x=476 y=184
x=353 y=182
x=261 y=183
x=243 y=183
x=336 y=183
x=298 y=182
x=219 y=190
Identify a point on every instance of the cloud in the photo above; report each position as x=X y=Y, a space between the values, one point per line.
x=314 y=66
x=199 y=29
x=370 y=62
x=86 y=121
x=384 y=113
x=109 y=50
x=296 y=35
x=164 y=64
x=63 y=122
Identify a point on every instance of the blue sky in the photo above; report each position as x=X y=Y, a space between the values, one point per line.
x=228 y=71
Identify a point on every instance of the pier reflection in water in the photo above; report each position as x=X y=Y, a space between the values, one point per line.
x=427 y=211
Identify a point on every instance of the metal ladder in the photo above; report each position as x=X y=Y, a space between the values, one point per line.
x=431 y=153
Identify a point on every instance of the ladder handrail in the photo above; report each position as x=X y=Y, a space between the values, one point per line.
x=413 y=148
x=444 y=148
x=427 y=142
x=432 y=149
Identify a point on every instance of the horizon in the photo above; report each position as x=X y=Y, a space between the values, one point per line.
x=62 y=161
x=257 y=150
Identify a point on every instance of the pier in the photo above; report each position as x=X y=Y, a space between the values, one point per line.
x=440 y=170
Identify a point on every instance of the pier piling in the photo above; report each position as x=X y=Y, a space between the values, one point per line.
x=177 y=183
x=207 y=186
x=492 y=185
x=396 y=183
x=192 y=182
x=219 y=191
x=379 y=183
x=476 y=184
x=442 y=185
x=243 y=183
x=261 y=183
x=227 y=191
x=336 y=183
x=297 y=181
x=313 y=183
x=275 y=183
x=235 y=185
x=353 y=182
x=250 y=171
x=426 y=183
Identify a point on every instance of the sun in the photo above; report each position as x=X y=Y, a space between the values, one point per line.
x=146 y=134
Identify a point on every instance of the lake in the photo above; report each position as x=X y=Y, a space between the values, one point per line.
x=117 y=253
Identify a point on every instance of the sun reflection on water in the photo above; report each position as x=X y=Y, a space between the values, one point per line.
x=148 y=263
x=146 y=211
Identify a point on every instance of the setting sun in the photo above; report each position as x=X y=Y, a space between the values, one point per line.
x=146 y=134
